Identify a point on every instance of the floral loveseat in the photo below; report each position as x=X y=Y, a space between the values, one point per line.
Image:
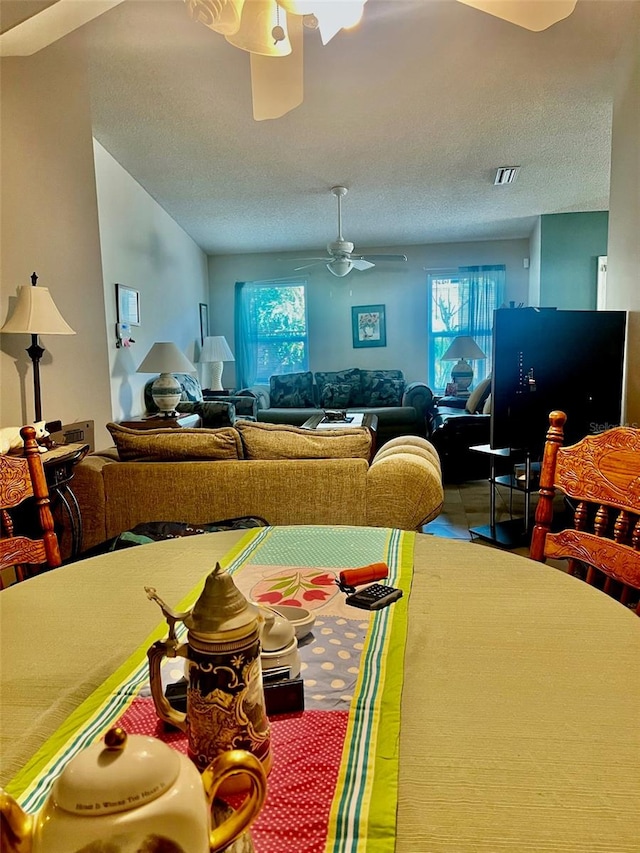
x=402 y=409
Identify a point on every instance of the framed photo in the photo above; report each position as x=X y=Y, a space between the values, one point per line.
x=128 y=305
x=369 y=326
x=204 y=321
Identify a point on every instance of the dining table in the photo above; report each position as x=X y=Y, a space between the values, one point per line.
x=493 y=708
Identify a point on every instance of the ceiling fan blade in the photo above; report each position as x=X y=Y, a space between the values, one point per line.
x=530 y=14
x=361 y=264
x=368 y=257
x=277 y=81
x=314 y=264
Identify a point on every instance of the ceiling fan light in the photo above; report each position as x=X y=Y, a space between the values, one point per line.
x=222 y=16
x=340 y=267
x=333 y=17
x=256 y=33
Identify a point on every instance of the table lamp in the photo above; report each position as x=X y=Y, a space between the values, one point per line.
x=35 y=314
x=462 y=348
x=215 y=351
x=165 y=358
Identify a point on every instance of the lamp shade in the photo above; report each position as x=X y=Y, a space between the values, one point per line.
x=35 y=313
x=463 y=346
x=165 y=357
x=215 y=348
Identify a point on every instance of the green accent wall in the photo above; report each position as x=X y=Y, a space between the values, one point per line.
x=570 y=244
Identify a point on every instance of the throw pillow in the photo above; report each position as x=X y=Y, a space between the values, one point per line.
x=282 y=441
x=386 y=392
x=292 y=390
x=371 y=380
x=173 y=445
x=335 y=396
x=478 y=396
x=349 y=377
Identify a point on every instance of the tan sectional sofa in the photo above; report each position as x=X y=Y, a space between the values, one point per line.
x=283 y=473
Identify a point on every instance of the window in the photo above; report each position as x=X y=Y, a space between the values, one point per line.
x=462 y=302
x=271 y=330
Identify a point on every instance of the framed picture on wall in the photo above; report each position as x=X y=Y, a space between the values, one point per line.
x=204 y=321
x=128 y=305
x=369 y=326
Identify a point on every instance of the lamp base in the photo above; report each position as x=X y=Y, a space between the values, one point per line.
x=462 y=375
x=166 y=392
x=216 y=376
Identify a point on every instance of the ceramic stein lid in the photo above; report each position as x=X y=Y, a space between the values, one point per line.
x=124 y=772
x=221 y=608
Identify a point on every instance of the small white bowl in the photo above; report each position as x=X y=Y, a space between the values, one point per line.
x=288 y=656
x=301 y=619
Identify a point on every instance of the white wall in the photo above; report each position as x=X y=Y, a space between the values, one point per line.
x=623 y=266
x=50 y=225
x=400 y=287
x=143 y=248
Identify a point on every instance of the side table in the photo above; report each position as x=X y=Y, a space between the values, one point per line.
x=185 y=421
x=59 y=464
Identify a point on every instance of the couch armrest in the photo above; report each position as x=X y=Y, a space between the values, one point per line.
x=420 y=396
x=88 y=488
x=214 y=413
x=246 y=405
x=260 y=392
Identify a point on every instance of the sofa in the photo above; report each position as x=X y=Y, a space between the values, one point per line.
x=401 y=408
x=284 y=474
x=454 y=430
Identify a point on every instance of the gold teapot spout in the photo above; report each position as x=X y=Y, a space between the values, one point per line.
x=16 y=826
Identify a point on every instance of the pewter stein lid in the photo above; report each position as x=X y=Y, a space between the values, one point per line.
x=221 y=608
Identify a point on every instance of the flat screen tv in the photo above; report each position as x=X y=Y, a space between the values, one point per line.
x=545 y=359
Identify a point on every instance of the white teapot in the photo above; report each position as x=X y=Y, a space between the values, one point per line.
x=134 y=793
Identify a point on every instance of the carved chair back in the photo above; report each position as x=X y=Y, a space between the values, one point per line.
x=601 y=476
x=23 y=477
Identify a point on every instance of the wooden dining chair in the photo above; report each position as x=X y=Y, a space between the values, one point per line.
x=601 y=477
x=22 y=477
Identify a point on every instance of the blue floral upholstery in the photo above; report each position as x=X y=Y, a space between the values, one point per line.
x=335 y=395
x=382 y=387
x=341 y=377
x=292 y=390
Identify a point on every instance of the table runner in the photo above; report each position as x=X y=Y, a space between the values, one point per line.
x=361 y=812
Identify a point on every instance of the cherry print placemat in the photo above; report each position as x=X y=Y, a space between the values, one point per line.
x=352 y=666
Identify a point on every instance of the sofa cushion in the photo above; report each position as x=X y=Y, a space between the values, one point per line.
x=282 y=441
x=349 y=377
x=172 y=445
x=477 y=397
x=292 y=390
x=381 y=386
x=335 y=395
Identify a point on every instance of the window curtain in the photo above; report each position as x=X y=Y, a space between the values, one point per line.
x=482 y=291
x=246 y=335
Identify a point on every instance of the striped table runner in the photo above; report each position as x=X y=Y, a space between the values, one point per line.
x=362 y=809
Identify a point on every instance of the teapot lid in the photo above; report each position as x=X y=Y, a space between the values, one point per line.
x=221 y=607
x=124 y=772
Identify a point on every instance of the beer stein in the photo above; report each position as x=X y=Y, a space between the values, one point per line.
x=225 y=699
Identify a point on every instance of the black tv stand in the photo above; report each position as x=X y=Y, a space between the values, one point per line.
x=515 y=532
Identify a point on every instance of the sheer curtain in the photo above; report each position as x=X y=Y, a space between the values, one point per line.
x=246 y=335
x=482 y=291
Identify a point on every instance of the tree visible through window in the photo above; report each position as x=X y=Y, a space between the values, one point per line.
x=271 y=329
x=462 y=302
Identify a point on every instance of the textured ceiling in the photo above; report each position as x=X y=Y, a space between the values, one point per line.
x=412 y=111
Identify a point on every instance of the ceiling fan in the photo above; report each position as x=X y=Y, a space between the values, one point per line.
x=340 y=258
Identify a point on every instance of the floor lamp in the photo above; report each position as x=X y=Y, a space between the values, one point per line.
x=35 y=313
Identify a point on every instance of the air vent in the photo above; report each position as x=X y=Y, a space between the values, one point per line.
x=506 y=175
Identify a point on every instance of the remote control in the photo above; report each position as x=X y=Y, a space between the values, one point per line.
x=374 y=597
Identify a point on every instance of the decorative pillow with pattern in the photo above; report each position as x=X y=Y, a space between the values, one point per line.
x=373 y=380
x=335 y=396
x=349 y=377
x=174 y=445
x=386 y=392
x=292 y=390
x=283 y=441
